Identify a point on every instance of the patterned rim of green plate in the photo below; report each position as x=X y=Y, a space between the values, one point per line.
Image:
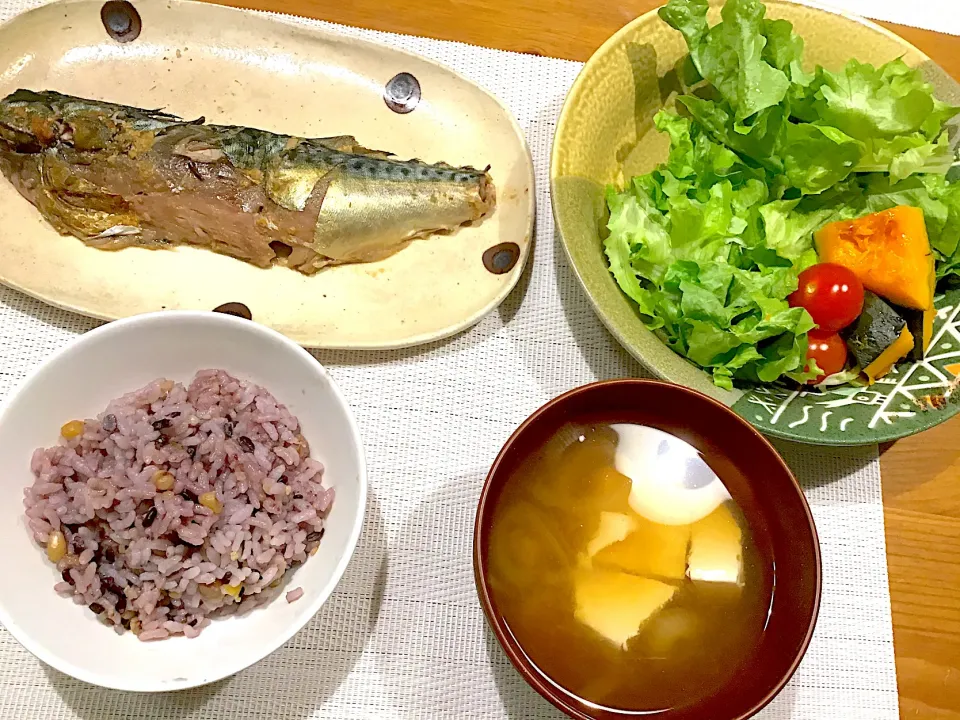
x=912 y=398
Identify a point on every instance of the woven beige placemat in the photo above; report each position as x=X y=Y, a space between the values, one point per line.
x=403 y=636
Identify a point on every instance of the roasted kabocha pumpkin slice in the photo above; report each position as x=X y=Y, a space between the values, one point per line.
x=920 y=325
x=928 y=317
x=889 y=251
x=901 y=347
x=879 y=339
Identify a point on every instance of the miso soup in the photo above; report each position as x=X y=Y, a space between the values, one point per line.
x=625 y=570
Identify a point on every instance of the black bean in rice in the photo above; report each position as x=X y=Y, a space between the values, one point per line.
x=149 y=517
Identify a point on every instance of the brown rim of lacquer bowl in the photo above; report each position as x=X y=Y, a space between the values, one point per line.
x=765 y=489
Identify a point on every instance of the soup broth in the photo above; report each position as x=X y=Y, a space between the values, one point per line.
x=624 y=568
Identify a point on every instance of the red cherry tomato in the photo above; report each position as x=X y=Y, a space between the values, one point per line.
x=830 y=352
x=832 y=295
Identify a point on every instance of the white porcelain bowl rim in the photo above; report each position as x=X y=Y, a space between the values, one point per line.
x=228 y=668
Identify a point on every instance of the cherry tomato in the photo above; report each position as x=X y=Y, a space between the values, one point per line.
x=832 y=295
x=830 y=352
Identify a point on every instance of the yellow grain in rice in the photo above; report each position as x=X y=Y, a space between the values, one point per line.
x=210 y=591
x=72 y=429
x=56 y=546
x=163 y=480
x=211 y=501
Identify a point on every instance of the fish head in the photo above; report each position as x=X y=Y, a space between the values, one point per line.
x=26 y=121
x=32 y=121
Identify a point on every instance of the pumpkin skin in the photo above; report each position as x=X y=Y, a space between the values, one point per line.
x=920 y=324
x=879 y=338
x=889 y=251
x=890 y=357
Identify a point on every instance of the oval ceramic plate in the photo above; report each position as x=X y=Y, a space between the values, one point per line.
x=287 y=78
x=605 y=135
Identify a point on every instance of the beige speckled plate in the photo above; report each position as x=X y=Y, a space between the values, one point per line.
x=605 y=135
x=235 y=67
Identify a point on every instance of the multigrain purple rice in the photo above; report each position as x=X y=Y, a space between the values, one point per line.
x=246 y=506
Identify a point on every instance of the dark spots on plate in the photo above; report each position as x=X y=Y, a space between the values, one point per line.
x=109 y=424
x=245 y=443
x=150 y=517
x=501 y=258
x=236 y=309
x=402 y=93
x=97 y=608
x=121 y=20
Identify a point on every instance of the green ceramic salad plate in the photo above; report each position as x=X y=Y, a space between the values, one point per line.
x=758 y=201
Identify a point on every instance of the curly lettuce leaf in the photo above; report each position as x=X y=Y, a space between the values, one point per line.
x=885 y=102
x=892 y=111
x=784 y=51
x=687 y=245
x=789 y=231
x=756 y=141
x=730 y=54
x=907 y=155
x=816 y=157
x=690 y=18
x=820 y=127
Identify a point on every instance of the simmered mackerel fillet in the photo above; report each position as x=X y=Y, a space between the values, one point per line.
x=117 y=176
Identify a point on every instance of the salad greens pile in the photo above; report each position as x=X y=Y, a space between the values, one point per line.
x=762 y=154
